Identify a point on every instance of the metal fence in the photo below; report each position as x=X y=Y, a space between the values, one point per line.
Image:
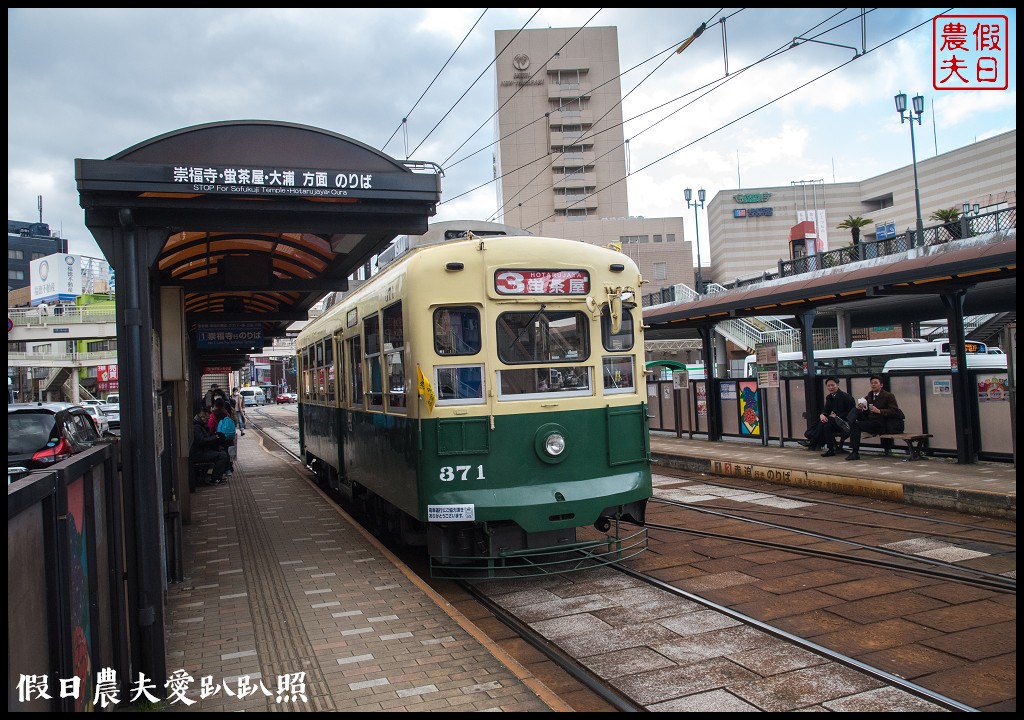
x=66 y=600
x=967 y=227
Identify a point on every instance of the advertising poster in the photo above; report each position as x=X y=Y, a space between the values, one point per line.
x=749 y=408
x=702 y=398
x=993 y=389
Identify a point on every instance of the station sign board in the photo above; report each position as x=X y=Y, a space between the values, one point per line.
x=229 y=335
x=767 y=365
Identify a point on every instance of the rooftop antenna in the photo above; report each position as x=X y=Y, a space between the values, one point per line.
x=39 y=204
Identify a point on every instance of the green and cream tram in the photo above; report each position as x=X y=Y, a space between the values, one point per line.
x=486 y=397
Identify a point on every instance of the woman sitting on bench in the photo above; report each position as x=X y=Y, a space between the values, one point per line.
x=877 y=413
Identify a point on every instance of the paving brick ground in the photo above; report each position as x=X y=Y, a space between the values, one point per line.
x=287 y=605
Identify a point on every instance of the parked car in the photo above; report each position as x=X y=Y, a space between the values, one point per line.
x=287 y=397
x=113 y=398
x=113 y=413
x=42 y=434
x=253 y=396
x=99 y=418
x=91 y=402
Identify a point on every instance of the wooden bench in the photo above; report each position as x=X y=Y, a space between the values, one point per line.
x=199 y=471
x=916 y=442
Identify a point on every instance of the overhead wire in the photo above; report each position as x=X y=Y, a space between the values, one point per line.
x=762 y=106
x=461 y=97
x=405 y=120
x=717 y=82
x=507 y=101
x=710 y=86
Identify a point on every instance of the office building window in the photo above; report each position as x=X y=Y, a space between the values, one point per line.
x=15 y=254
x=15 y=274
x=670 y=237
x=657 y=238
x=660 y=271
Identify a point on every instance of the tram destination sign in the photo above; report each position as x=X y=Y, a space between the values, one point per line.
x=541 y=282
x=229 y=335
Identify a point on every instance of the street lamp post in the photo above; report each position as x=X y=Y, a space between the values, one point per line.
x=965 y=219
x=699 y=202
x=901 y=108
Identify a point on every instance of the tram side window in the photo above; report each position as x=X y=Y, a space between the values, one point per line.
x=339 y=368
x=459 y=384
x=321 y=373
x=394 y=351
x=457 y=330
x=329 y=368
x=617 y=373
x=371 y=352
x=617 y=370
x=307 y=375
x=355 y=359
x=623 y=339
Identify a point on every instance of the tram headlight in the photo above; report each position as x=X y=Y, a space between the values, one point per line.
x=554 y=444
x=550 y=443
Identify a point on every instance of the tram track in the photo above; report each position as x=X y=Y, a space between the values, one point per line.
x=942 y=701
x=980 y=579
x=923 y=515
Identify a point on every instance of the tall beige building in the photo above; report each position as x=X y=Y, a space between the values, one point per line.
x=561 y=155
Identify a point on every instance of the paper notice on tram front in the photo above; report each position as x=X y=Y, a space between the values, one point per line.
x=448 y=513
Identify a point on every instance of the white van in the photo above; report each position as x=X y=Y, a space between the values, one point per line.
x=253 y=396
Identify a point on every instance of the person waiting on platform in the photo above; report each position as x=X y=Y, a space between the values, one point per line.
x=238 y=404
x=207 y=447
x=833 y=419
x=877 y=413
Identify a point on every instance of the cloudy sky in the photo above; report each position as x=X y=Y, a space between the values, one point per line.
x=730 y=111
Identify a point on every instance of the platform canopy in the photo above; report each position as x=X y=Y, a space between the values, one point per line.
x=256 y=220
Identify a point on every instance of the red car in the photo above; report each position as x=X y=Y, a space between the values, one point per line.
x=286 y=398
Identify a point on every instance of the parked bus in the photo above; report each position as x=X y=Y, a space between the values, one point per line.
x=975 y=361
x=863 y=357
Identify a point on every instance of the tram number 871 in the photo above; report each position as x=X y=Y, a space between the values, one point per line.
x=449 y=473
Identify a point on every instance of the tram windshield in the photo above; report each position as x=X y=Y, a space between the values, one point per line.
x=559 y=340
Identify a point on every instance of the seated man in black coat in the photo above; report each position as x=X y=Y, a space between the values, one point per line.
x=882 y=414
x=838 y=407
x=208 y=447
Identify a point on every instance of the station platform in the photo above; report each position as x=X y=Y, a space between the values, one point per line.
x=279 y=581
x=985 y=488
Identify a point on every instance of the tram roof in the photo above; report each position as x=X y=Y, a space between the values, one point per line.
x=248 y=251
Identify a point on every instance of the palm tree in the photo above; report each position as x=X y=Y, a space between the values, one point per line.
x=946 y=215
x=854 y=224
x=950 y=218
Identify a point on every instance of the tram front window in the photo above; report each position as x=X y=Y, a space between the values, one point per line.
x=541 y=337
